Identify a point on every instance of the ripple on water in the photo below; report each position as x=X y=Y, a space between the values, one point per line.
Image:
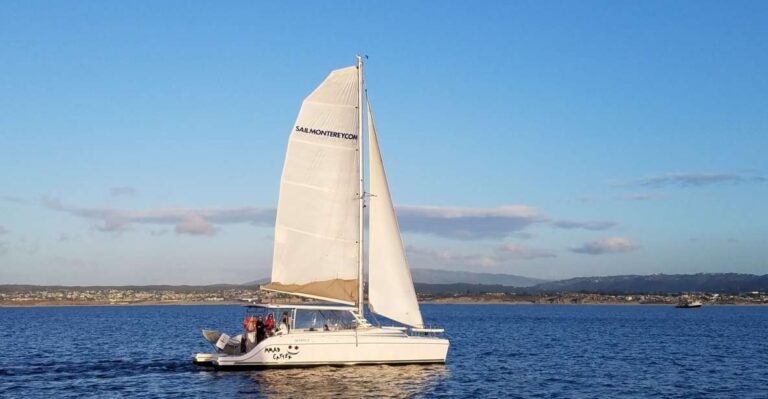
x=496 y=351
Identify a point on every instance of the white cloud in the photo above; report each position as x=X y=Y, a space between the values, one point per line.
x=194 y=224
x=506 y=254
x=467 y=223
x=186 y=220
x=608 y=245
x=593 y=225
x=450 y=222
x=512 y=251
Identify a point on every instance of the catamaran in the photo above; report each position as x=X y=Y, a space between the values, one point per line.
x=319 y=250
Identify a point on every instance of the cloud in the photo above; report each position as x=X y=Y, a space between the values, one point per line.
x=697 y=179
x=3 y=230
x=608 y=245
x=194 y=224
x=427 y=258
x=467 y=223
x=449 y=222
x=123 y=191
x=195 y=221
x=3 y=248
x=636 y=197
x=594 y=225
x=500 y=256
x=512 y=251
x=521 y=235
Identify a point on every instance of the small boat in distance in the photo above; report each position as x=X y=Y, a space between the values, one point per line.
x=687 y=302
x=318 y=251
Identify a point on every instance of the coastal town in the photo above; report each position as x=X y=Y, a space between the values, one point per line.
x=189 y=295
x=37 y=296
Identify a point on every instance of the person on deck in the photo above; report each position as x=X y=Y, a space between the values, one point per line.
x=249 y=325
x=269 y=325
x=285 y=319
x=261 y=331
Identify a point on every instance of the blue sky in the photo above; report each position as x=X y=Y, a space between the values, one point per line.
x=143 y=142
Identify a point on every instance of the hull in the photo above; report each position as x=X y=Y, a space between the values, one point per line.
x=688 y=304
x=348 y=347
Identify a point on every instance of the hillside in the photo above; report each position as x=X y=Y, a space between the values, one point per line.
x=659 y=283
x=433 y=276
x=628 y=284
x=465 y=289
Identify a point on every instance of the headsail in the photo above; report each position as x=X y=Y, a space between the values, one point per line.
x=390 y=287
x=317 y=227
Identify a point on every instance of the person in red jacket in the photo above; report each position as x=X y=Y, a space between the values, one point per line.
x=269 y=324
x=249 y=325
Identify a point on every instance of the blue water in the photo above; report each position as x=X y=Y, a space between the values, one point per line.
x=524 y=351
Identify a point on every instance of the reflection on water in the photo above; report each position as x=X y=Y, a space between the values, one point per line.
x=379 y=381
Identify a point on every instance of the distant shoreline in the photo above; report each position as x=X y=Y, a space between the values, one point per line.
x=107 y=304
x=438 y=302
x=584 y=304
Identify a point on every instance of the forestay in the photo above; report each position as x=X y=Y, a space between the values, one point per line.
x=317 y=225
x=390 y=287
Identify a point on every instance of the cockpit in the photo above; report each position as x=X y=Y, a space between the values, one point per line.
x=307 y=318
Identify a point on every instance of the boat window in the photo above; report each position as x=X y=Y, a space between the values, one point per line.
x=324 y=320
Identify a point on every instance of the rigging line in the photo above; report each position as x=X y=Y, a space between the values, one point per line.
x=361 y=189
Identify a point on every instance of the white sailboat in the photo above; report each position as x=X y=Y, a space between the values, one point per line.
x=318 y=249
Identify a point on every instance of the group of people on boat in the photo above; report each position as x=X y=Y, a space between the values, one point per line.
x=258 y=329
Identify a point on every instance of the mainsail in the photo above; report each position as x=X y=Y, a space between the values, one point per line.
x=390 y=287
x=317 y=226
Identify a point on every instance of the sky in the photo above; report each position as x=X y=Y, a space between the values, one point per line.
x=142 y=142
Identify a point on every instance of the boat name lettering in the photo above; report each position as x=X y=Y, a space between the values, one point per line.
x=327 y=133
x=292 y=351
x=281 y=356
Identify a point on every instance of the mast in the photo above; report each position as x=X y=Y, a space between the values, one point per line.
x=362 y=187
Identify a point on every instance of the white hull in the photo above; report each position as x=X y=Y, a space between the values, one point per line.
x=348 y=347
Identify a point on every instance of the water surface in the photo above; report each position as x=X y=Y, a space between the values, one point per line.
x=526 y=351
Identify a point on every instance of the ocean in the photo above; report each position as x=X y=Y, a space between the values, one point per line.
x=509 y=351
